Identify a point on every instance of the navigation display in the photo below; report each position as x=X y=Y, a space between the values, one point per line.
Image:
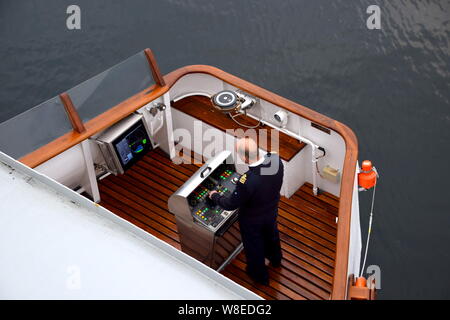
x=132 y=145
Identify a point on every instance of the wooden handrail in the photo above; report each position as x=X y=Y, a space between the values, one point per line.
x=159 y=79
x=72 y=113
x=101 y=122
x=93 y=126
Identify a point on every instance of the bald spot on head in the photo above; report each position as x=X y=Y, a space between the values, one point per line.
x=247 y=149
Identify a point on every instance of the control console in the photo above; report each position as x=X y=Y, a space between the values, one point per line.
x=223 y=180
x=208 y=232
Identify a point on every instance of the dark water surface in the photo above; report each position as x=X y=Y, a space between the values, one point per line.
x=391 y=86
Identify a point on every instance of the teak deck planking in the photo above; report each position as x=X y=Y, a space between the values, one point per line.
x=306 y=223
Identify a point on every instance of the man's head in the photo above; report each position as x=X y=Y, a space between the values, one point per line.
x=247 y=149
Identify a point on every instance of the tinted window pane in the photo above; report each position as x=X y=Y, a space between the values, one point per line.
x=111 y=87
x=34 y=128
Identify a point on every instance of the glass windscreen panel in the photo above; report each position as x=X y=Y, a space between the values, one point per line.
x=48 y=121
x=111 y=87
x=34 y=128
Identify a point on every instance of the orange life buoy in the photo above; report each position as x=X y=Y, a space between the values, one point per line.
x=367 y=178
x=361 y=282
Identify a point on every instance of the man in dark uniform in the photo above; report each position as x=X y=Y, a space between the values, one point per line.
x=257 y=195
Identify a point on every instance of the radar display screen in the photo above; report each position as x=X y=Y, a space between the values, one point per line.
x=132 y=145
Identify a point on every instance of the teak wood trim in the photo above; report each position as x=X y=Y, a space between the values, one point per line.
x=72 y=113
x=130 y=105
x=159 y=79
x=201 y=108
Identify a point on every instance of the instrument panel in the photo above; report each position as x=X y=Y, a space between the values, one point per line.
x=222 y=180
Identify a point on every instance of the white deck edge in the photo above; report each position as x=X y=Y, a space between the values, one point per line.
x=80 y=200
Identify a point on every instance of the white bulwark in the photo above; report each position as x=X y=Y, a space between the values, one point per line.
x=56 y=244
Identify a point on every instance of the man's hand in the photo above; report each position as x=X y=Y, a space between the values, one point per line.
x=211 y=193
